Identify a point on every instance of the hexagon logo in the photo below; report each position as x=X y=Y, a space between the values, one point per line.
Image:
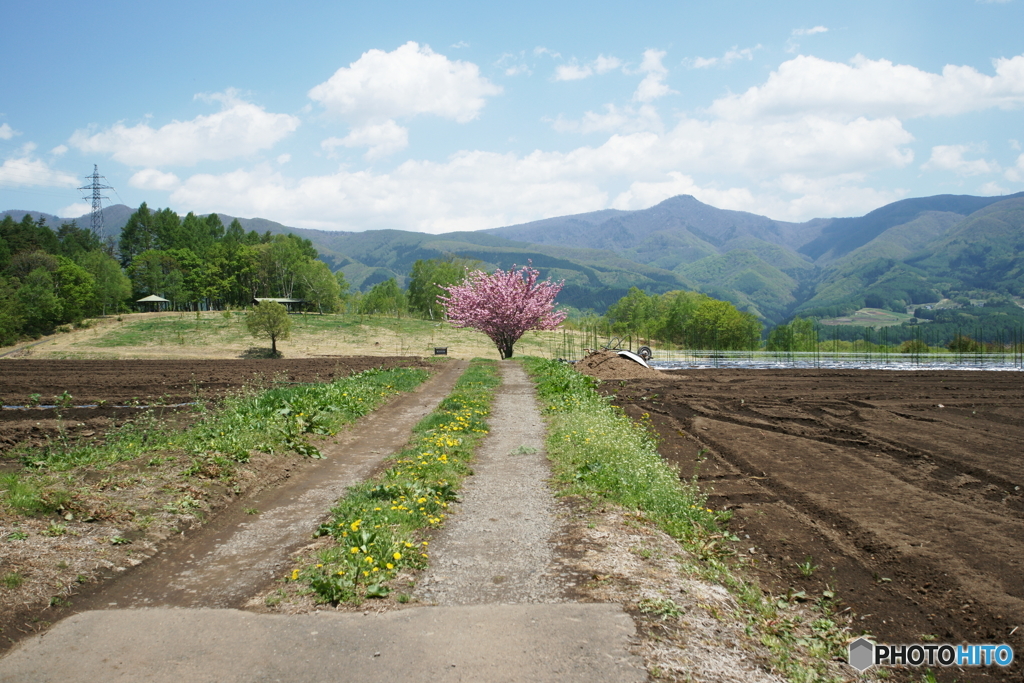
x=861 y=654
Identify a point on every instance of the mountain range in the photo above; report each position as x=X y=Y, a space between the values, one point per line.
x=914 y=251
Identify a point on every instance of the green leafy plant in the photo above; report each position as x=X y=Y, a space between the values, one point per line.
x=807 y=567
x=666 y=608
x=12 y=580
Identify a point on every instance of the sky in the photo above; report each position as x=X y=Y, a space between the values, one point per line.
x=437 y=117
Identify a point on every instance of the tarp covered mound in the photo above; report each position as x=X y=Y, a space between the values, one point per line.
x=610 y=365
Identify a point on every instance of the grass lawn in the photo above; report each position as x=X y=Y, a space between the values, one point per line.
x=215 y=334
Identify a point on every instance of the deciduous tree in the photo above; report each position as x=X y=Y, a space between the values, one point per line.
x=269 y=320
x=504 y=305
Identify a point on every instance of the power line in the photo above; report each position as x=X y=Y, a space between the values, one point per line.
x=97 y=198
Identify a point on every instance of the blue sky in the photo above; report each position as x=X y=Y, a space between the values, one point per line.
x=461 y=116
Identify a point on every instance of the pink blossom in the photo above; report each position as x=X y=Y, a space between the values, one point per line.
x=504 y=305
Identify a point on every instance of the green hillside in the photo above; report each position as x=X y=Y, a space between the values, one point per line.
x=908 y=253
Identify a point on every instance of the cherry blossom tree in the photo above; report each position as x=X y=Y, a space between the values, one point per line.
x=503 y=305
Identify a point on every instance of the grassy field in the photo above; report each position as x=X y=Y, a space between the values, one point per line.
x=217 y=334
x=870 y=317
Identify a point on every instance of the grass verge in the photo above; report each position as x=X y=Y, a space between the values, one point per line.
x=377 y=528
x=601 y=454
x=269 y=421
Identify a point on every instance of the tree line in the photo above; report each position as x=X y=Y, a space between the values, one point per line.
x=50 y=278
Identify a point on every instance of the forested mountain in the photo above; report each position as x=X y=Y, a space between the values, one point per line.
x=911 y=252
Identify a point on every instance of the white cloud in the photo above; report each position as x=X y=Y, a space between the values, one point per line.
x=59 y=150
x=734 y=55
x=866 y=87
x=6 y=132
x=809 y=31
x=284 y=158
x=574 y=71
x=239 y=129
x=1016 y=173
x=477 y=189
x=613 y=120
x=951 y=158
x=75 y=210
x=518 y=69
x=382 y=139
x=653 y=85
x=152 y=179
x=459 y=45
x=992 y=189
x=25 y=171
x=539 y=50
x=408 y=81
x=1014 y=144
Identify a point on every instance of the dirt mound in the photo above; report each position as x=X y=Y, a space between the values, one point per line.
x=610 y=365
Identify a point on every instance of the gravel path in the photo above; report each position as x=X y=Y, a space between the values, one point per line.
x=498 y=546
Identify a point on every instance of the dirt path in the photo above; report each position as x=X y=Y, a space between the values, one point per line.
x=499 y=549
x=230 y=560
x=498 y=545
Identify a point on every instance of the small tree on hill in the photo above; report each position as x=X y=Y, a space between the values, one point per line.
x=503 y=305
x=269 y=319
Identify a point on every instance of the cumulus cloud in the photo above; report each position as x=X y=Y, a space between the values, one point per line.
x=614 y=119
x=574 y=71
x=477 y=189
x=152 y=179
x=1016 y=172
x=730 y=56
x=653 y=85
x=408 y=81
x=59 y=150
x=866 y=87
x=23 y=170
x=951 y=158
x=239 y=129
x=382 y=139
x=75 y=210
x=809 y=31
x=6 y=132
x=991 y=189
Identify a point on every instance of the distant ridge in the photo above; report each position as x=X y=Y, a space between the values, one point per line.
x=900 y=255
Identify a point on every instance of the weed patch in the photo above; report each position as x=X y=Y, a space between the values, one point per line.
x=377 y=526
x=600 y=453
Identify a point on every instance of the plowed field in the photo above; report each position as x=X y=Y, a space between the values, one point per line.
x=116 y=384
x=901 y=491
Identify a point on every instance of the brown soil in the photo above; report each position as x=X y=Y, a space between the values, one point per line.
x=903 y=489
x=117 y=386
x=143 y=503
x=609 y=365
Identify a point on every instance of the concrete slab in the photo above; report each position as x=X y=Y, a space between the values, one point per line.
x=480 y=643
